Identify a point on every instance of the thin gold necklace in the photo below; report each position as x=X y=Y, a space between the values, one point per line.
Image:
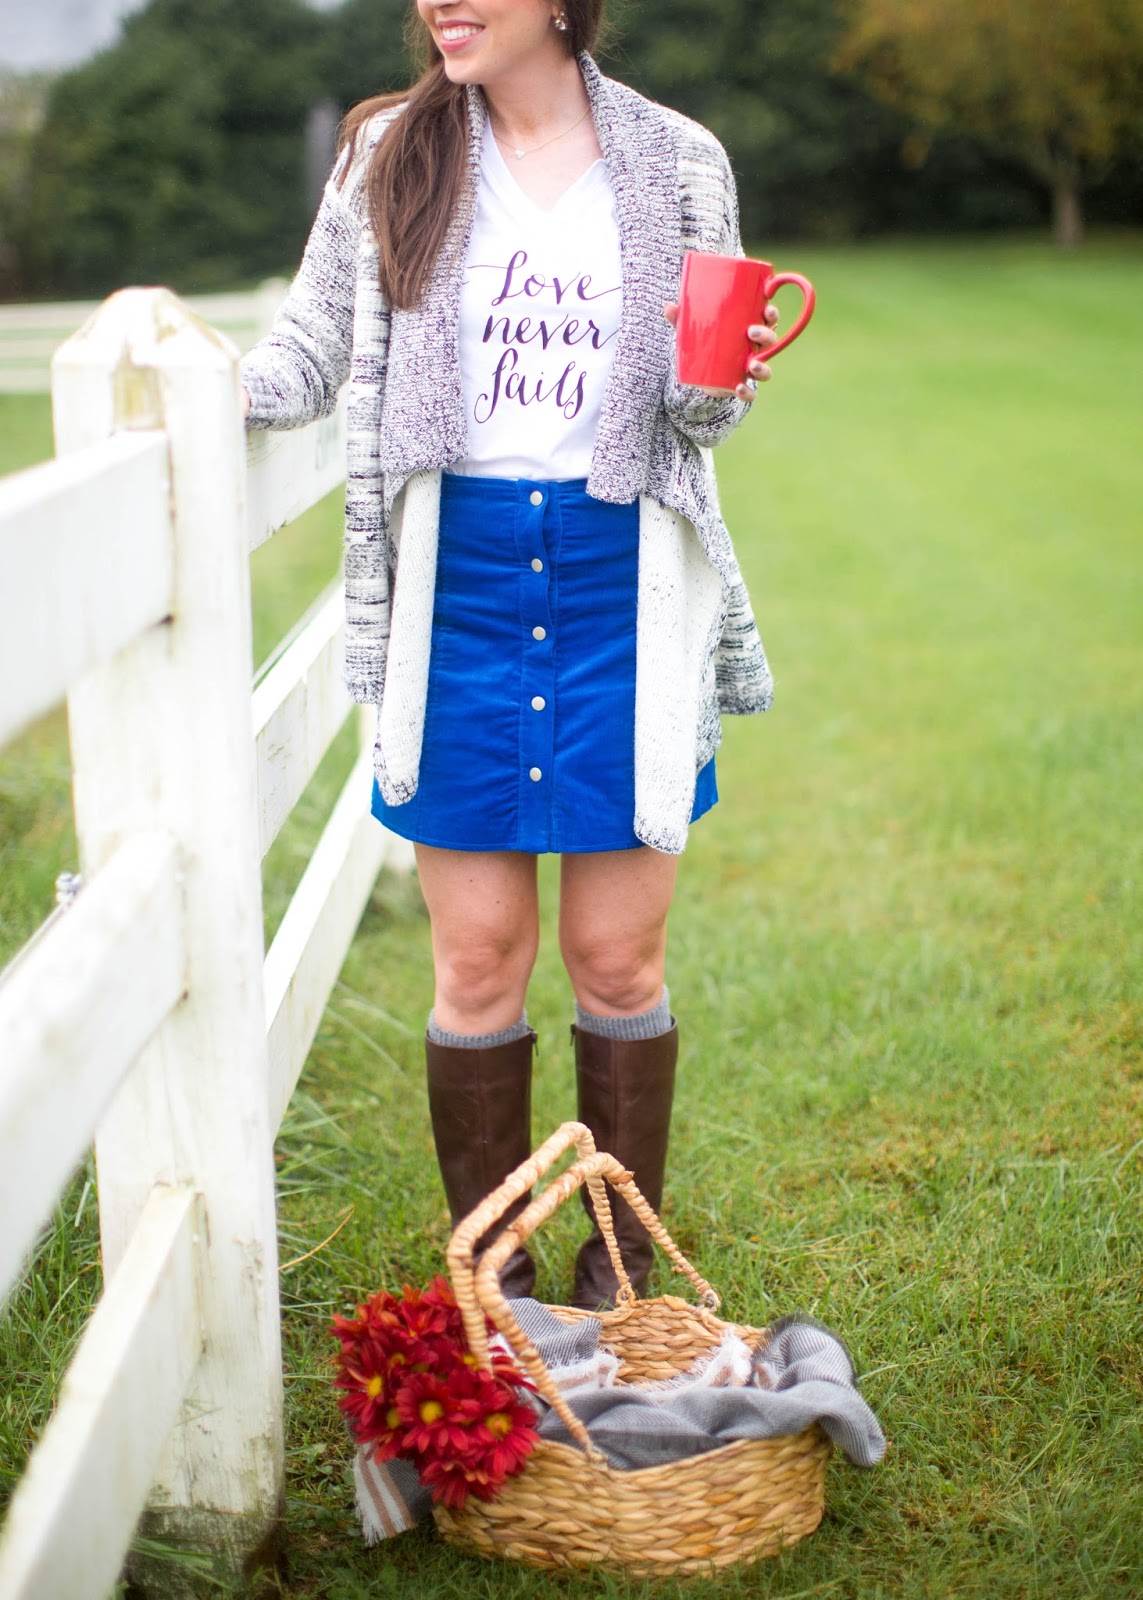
x=520 y=154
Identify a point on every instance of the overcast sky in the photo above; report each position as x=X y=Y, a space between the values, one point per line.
x=59 y=33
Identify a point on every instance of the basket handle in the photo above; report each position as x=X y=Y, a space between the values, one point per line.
x=478 y=1291
x=462 y=1246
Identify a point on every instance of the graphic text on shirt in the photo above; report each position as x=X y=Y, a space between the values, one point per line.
x=527 y=388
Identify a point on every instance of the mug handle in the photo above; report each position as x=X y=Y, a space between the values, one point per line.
x=809 y=299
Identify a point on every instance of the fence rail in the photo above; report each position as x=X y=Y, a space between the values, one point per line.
x=148 y=1014
x=125 y=1383
x=78 y=587
x=31 y=334
x=73 y=1016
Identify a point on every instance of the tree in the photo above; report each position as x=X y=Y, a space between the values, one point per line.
x=757 y=73
x=177 y=155
x=23 y=98
x=814 y=153
x=365 y=50
x=1056 y=85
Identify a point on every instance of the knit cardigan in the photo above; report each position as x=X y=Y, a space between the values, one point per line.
x=697 y=647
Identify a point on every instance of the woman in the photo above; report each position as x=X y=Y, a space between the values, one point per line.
x=542 y=598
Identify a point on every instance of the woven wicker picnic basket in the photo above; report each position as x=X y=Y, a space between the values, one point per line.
x=569 y=1507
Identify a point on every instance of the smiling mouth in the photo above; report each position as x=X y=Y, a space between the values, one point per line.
x=458 y=32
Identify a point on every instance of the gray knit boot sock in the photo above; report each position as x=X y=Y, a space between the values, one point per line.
x=644 y=1025
x=477 y=1041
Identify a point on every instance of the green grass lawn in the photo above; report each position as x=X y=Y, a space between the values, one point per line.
x=905 y=959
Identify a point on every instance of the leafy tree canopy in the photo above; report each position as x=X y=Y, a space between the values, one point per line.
x=178 y=155
x=1057 y=85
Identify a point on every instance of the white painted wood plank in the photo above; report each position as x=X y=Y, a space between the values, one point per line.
x=85 y=550
x=74 y=1510
x=30 y=334
x=21 y=378
x=63 y=317
x=160 y=738
x=30 y=346
x=297 y=709
x=74 y=1013
x=314 y=936
x=290 y=470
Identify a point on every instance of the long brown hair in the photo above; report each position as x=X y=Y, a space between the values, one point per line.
x=416 y=172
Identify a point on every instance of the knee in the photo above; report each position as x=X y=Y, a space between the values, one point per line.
x=485 y=970
x=615 y=978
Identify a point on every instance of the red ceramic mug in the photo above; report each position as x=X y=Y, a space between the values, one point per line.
x=719 y=298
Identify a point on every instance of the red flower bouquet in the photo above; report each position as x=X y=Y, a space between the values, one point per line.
x=413 y=1388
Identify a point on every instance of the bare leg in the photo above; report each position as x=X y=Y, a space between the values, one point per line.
x=613 y=927
x=485 y=928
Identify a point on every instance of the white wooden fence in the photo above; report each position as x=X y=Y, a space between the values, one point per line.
x=31 y=334
x=147 y=1012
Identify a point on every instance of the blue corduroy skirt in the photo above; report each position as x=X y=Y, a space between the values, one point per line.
x=529 y=739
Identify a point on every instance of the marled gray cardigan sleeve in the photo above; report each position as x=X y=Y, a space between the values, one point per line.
x=710 y=223
x=298 y=369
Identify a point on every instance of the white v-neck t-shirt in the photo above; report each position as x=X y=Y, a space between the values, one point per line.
x=540 y=306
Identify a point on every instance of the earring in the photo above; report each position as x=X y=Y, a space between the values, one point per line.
x=561 y=22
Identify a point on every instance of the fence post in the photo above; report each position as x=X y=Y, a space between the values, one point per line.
x=161 y=739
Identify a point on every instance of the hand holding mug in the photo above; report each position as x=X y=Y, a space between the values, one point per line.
x=761 y=336
x=724 y=307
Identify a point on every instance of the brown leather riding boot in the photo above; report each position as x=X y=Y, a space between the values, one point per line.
x=625 y=1089
x=480 y=1102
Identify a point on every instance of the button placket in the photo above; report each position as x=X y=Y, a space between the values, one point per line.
x=537 y=733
